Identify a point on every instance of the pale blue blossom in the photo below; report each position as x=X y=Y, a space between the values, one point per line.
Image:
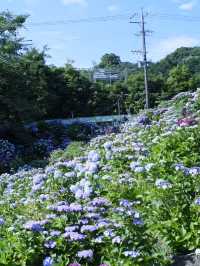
x=163 y=184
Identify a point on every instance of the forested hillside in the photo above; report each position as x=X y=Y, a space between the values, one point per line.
x=182 y=56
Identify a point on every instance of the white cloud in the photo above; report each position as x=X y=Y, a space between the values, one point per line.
x=113 y=8
x=188 y=6
x=75 y=2
x=169 y=45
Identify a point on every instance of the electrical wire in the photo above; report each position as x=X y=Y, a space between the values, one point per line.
x=119 y=17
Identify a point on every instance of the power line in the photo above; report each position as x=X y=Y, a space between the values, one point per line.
x=81 y=20
x=119 y=17
x=167 y=16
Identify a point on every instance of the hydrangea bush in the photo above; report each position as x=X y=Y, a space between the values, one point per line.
x=131 y=198
x=7 y=152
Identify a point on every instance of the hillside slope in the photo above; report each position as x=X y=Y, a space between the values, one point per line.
x=130 y=198
x=189 y=56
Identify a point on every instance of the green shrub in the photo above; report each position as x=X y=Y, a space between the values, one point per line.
x=78 y=132
x=43 y=127
x=174 y=208
x=75 y=149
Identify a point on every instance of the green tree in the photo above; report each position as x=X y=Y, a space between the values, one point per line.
x=22 y=75
x=110 y=60
x=79 y=92
x=136 y=92
x=180 y=79
x=11 y=45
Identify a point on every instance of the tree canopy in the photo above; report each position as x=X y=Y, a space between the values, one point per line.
x=110 y=60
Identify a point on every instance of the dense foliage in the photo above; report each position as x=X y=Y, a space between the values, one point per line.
x=31 y=90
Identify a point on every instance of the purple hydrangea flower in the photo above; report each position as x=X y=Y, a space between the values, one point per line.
x=98 y=202
x=133 y=165
x=139 y=169
x=144 y=120
x=93 y=215
x=107 y=145
x=44 y=197
x=109 y=233
x=82 y=190
x=37 y=187
x=75 y=207
x=163 y=184
x=197 y=201
x=103 y=224
x=125 y=203
x=138 y=221
x=55 y=233
x=88 y=228
x=34 y=226
x=51 y=216
x=91 y=168
x=93 y=156
x=84 y=221
x=194 y=171
x=85 y=254
x=50 y=244
x=63 y=208
x=74 y=236
x=2 y=221
x=99 y=239
x=38 y=178
x=116 y=240
x=71 y=228
x=149 y=166
x=132 y=254
x=179 y=166
x=70 y=174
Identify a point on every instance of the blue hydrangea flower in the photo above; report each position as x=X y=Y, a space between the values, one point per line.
x=163 y=184
x=55 y=233
x=107 y=145
x=116 y=240
x=34 y=226
x=132 y=253
x=2 y=221
x=93 y=157
x=48 y=261
x=197 y=201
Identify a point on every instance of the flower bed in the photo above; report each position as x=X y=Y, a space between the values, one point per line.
x=131 y=198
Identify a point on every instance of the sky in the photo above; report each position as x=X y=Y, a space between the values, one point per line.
x=85 y=43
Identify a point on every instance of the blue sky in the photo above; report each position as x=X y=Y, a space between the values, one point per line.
x=85 y=43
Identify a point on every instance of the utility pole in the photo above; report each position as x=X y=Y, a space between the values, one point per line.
x=143 y=52
x=118 y=107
